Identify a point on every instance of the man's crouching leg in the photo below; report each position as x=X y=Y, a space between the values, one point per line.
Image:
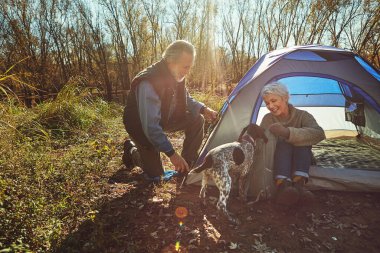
x=193 y=137
x=150 y=162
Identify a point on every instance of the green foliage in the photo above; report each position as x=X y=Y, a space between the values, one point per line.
x=210 y=99
x=16 y=247
x=53 y=163
x=73 y=110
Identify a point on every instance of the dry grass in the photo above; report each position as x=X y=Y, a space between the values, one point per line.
x=54 y=164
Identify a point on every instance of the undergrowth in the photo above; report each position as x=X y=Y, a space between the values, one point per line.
x=53 y=166
x=55 y=162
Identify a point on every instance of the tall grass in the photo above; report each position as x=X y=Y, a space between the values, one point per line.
x=52 y=164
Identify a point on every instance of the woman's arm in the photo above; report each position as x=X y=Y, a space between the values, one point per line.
x=310 y=133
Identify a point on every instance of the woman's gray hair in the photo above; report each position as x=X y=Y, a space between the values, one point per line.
x=176 y=48
x=275 y=88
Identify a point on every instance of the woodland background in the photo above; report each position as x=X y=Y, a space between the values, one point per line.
x=43 y=43
x=63 y=187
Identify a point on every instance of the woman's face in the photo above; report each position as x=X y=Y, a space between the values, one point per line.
x=277 y=105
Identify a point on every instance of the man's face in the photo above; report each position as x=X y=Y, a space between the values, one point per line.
x=181 y=68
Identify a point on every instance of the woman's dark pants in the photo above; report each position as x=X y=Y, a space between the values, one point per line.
x=290 y=160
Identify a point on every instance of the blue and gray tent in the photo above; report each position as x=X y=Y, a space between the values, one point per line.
x=338 y=87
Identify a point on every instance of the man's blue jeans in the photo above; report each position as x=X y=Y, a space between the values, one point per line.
x=290 y=160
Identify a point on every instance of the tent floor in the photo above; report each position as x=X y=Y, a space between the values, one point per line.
x=346 y=163
x=347 y=152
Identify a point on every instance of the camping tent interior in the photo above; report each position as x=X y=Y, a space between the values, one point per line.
x=342 y=92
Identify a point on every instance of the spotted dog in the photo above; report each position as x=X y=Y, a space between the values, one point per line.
x=235 y=158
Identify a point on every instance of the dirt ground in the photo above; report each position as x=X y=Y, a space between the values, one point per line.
x=141 y=217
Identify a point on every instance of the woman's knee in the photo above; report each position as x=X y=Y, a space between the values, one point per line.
x=303 y=151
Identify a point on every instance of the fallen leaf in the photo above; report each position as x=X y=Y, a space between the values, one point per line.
x=327 y=245
x=260 y=236
x=233 y=245
x=305 y=239
x=194 y=232
x=212 y=199
x=155 y=199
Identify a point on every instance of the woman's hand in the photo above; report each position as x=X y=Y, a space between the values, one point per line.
x=279 y=130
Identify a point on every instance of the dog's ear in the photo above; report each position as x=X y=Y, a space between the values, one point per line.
x=242 y=133
x=238 y=156
x=256 y=132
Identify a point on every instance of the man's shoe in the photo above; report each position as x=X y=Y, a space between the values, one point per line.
x=130 y=154
x=286 y=194
x=156 y=179
x=168 y=174
x=306 y=196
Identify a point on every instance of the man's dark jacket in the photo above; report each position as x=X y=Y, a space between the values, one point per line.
x=164 y=84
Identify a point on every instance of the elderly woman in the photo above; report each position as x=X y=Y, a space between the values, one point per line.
x=296 y=131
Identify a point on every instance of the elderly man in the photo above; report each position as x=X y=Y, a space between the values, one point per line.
x=157 y=103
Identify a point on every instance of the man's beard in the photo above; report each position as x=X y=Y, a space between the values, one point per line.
x=178 y=79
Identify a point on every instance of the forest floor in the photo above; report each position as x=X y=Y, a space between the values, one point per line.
x=141 y=217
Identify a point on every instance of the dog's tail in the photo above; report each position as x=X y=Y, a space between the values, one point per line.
x=207 y=163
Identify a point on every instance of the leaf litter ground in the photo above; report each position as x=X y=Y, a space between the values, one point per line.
x=141 y=217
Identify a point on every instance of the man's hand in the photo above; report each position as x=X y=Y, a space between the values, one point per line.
x=210 y=114
x=279 y=130
x=179 y=163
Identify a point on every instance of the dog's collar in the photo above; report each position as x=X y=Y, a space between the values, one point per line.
x=248 y=138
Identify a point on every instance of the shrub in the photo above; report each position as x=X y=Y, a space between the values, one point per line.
x=53 y=162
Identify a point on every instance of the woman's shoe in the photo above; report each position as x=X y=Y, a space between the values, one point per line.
x=306 y=196
x=287 y=194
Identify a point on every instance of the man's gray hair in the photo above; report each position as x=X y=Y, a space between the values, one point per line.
x=275 y=88
x=173 y=52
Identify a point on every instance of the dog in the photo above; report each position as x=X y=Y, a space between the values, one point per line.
x=235 y=158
